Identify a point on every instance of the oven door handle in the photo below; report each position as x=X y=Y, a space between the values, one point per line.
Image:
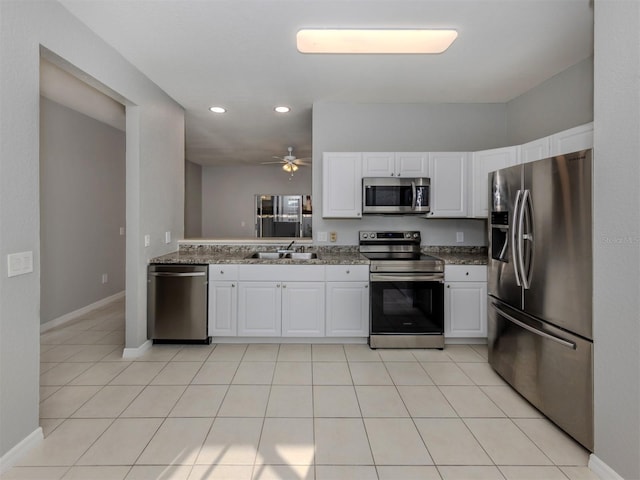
x=378 y=277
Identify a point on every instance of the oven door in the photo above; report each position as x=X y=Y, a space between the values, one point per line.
x=407 y=304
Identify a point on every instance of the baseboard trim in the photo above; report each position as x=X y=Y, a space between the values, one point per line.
x=71 y=316
x=137 y=351
x=465 y=340
x=14 y=455
x=601 y=469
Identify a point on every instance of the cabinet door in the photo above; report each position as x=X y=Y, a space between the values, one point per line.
x=412 y=164
x=259 y=309
x=378 y=164
x=536 y=150
x=342 y=185
x=223 y=302
x=303 y=309
x=448 y=184
x=465 y=313
x=481 y=164
x=347 y=309
x=572 y=140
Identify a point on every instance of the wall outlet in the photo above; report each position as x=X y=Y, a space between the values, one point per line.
x=167 y=237
x=333 y=236
x=105 y=278
x=19 y=263
x=459 y=237
x=121 y=231
x=147 y=240
x=322 y=236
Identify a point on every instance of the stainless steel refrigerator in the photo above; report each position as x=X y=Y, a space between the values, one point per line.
x=540 y=286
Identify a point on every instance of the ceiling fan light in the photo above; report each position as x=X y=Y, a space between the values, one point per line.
x=380 y=41
x=290 y=167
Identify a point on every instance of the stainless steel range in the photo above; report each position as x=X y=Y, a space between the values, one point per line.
x=407 y=291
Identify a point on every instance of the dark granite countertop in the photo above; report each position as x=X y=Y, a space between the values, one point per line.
x=347 y=255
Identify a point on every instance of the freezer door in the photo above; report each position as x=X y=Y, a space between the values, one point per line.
x=549 y=367
x=559 y=268
x=504 y=189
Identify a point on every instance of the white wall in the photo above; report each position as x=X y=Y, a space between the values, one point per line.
x=559 y=103
x=341 y=127
x=228 y=196
x=155 y=185
x=82 y=207
x=192 y=200
x=617 y=235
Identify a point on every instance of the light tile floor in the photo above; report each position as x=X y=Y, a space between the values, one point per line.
x=282 y=412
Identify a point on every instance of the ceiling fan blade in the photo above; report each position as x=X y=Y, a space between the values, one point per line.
x=269 y=163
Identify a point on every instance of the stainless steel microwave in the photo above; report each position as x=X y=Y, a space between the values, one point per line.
x=400 y=196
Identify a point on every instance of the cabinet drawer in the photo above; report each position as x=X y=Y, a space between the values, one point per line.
x=347 y=273
x=219 y=272
x=465 y=273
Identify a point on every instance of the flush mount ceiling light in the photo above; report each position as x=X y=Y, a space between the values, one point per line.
x=218 y=109
x=381 y=41
x=282 y=109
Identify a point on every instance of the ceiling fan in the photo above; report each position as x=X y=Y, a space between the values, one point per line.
x=289 y=162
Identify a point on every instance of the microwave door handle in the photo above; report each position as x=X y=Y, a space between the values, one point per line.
x=414 y=199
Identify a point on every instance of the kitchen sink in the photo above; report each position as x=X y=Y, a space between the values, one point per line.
x=301 y=255
x=267 y=255
x=286 y=256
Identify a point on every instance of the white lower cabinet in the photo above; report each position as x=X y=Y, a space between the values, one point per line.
x=347 y=313
x=223 y=300
x=259 y=309
x=281 y=300
x=465 y=301
x=303 y=309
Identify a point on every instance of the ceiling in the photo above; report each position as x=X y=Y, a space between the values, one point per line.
x=242 y=54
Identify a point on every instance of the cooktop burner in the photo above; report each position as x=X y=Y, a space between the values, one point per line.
x=397 y=252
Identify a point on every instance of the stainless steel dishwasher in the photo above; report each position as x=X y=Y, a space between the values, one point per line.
x=177 y=303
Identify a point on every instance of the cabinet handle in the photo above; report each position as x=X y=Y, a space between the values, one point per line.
x=284 y=285
x=348 y=272
x=392 y=174
x=221 y=272
x=233 y=285
x=448 y=286
x=366 y=286
x=467 y=274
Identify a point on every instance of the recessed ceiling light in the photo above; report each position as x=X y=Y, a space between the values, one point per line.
x=218 y=109
x=383 y=41
x=282 y=109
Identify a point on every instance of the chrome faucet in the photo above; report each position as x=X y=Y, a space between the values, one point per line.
x=290 y=245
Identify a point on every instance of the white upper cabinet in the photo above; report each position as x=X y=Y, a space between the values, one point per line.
x=482 y=164
x=378 y=164
x=342 y=185
x=449 y=174
x=572 y=140
x=412 y=164
x=536 y=150
x=395 y=164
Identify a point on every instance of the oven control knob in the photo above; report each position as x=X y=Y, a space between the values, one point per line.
x=416 y=235
x=373 y=235
x=407 y=235
x=365 y=235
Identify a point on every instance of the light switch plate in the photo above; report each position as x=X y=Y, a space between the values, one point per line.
x=19 y=263
x=459 y=237
x=322 y=236
x=167 y=237
x=147 y=240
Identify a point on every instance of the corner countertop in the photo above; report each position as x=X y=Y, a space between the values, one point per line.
x=193 y=252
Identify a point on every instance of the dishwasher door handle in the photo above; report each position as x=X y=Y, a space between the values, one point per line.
x=178 y=274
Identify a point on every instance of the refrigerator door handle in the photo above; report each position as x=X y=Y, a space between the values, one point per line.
x=524 y=267
x=561 y=341
x=514 y=236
